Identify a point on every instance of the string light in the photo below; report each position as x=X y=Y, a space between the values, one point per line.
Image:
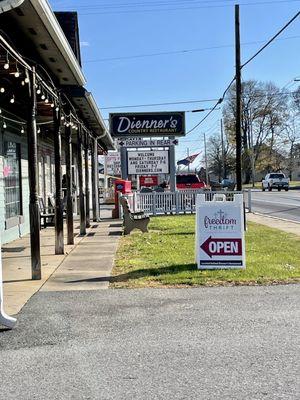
x=52 y=105
x=12 y=100
x=23 y=83
x=26 y=80
x=62 y=117
x=46 y=100
x=39 y=130
x=6 y=65
x=2 y=90
x=22 y=129
x=4 y=125
x=17 y=73
x=57 y=109
x=38 y=91
x=43 y=96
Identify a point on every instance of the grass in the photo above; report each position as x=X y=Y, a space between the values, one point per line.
x=165 y=257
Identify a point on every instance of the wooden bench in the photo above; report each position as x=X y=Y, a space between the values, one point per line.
x=132 y=220
x=46 y=213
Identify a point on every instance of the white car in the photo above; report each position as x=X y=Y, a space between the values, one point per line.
x=275 y=180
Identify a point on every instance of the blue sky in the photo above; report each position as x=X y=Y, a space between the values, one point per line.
x=122 y=28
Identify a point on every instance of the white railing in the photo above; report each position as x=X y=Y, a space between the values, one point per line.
x=179 y=202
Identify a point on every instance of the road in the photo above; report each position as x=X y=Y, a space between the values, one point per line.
x=278 y=204
x=157 y=344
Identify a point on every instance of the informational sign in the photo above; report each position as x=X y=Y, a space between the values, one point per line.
x=149 y=181
x=148 y=162
x=140 y=142
x=113 y=164
x=220 y=242
x=147 y=124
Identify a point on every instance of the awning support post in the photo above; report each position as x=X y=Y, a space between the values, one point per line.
x=80 y=182
x=87 y=180
x=69 y=182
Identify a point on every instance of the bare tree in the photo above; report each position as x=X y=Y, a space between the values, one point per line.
x=264 y=111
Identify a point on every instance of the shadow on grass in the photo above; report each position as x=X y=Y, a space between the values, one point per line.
x=141 y=273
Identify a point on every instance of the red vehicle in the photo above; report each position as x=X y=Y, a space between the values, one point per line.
x=189 y=181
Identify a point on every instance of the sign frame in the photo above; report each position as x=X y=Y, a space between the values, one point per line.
x=220 y=235
x=150 y=124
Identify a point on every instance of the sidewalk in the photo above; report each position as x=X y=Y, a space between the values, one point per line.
x=84 y=265
x=277 y=223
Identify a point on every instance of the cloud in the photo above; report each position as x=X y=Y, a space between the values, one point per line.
x=84 y=44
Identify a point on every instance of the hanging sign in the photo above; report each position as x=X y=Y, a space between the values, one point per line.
x=147 y=124
x=220 y=242
x=148 y=162
x=140 y=142
x=149 y=181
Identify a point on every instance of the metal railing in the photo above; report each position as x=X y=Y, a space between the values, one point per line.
x=179 y=202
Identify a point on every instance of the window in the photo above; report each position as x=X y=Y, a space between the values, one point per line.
x=12 y=179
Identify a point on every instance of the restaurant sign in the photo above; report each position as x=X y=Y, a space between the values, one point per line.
x=148 y=162
x=147 y=124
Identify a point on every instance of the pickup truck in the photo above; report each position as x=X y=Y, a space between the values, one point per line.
x=275 y=180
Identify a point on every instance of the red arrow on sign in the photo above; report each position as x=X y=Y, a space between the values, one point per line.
x=222 y=247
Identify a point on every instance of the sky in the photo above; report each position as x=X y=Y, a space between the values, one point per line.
x=114 y=32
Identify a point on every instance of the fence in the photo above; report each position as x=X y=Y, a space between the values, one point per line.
x=179 y=202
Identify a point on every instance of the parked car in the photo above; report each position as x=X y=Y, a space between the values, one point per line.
x=215 y=185
x=275 y=180
x=189 y=181
x=228 y=184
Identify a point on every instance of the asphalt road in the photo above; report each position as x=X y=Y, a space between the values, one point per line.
x=278 y=204
x=204 y=343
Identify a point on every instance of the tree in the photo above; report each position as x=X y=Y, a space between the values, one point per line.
x=264 y=112
x=215 y=156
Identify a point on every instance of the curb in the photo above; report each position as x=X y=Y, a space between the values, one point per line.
x=276 y=218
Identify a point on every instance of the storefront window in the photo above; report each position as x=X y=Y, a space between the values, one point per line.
x=12 y=179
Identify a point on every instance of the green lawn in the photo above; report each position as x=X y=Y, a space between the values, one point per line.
x=165 y=257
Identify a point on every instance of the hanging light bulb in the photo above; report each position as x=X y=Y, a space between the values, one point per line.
x=47 y=101
x=23 y=83
x=12 y=100
x=52 y=105
x=57 y=109
x=6 y=65
x=4 y=125
x=62 y=117
x=0 y=111
x=22 y=129
x=2 y=90
x=38 y=91
x=39 y=130
x=17 y=73
x=26 y=80
x=43 y=96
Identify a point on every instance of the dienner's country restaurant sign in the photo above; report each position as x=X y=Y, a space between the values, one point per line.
x=220 y=242
x=147 y=124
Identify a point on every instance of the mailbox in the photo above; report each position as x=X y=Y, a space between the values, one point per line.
x=121 y=186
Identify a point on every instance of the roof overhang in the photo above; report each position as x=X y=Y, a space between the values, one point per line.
x=87 y=107
x=38 y=22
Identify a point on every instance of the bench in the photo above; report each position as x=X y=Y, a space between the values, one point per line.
x=138 y=220
x=46 y=213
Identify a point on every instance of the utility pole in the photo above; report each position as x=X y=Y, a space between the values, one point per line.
x=188 y=154
x=205 y=156
x=223 y=151
x=238 y=80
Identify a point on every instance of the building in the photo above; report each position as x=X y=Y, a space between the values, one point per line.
x=50 y=126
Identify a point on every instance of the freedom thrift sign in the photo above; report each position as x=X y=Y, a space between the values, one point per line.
x=220 y=242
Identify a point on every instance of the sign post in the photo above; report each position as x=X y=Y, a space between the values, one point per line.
x=5 y=319
x=220 y=238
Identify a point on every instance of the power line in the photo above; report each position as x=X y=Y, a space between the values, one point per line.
x=272 y=39
x=157 y=10
x=183 y=51
x=159 y=104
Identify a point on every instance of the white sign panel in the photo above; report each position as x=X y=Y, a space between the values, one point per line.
x=148 y=162
x=113 y=164
x=220 y=241
x=140 y=142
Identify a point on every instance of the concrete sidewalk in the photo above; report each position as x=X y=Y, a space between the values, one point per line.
x=277 y=223
x=80 y=267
